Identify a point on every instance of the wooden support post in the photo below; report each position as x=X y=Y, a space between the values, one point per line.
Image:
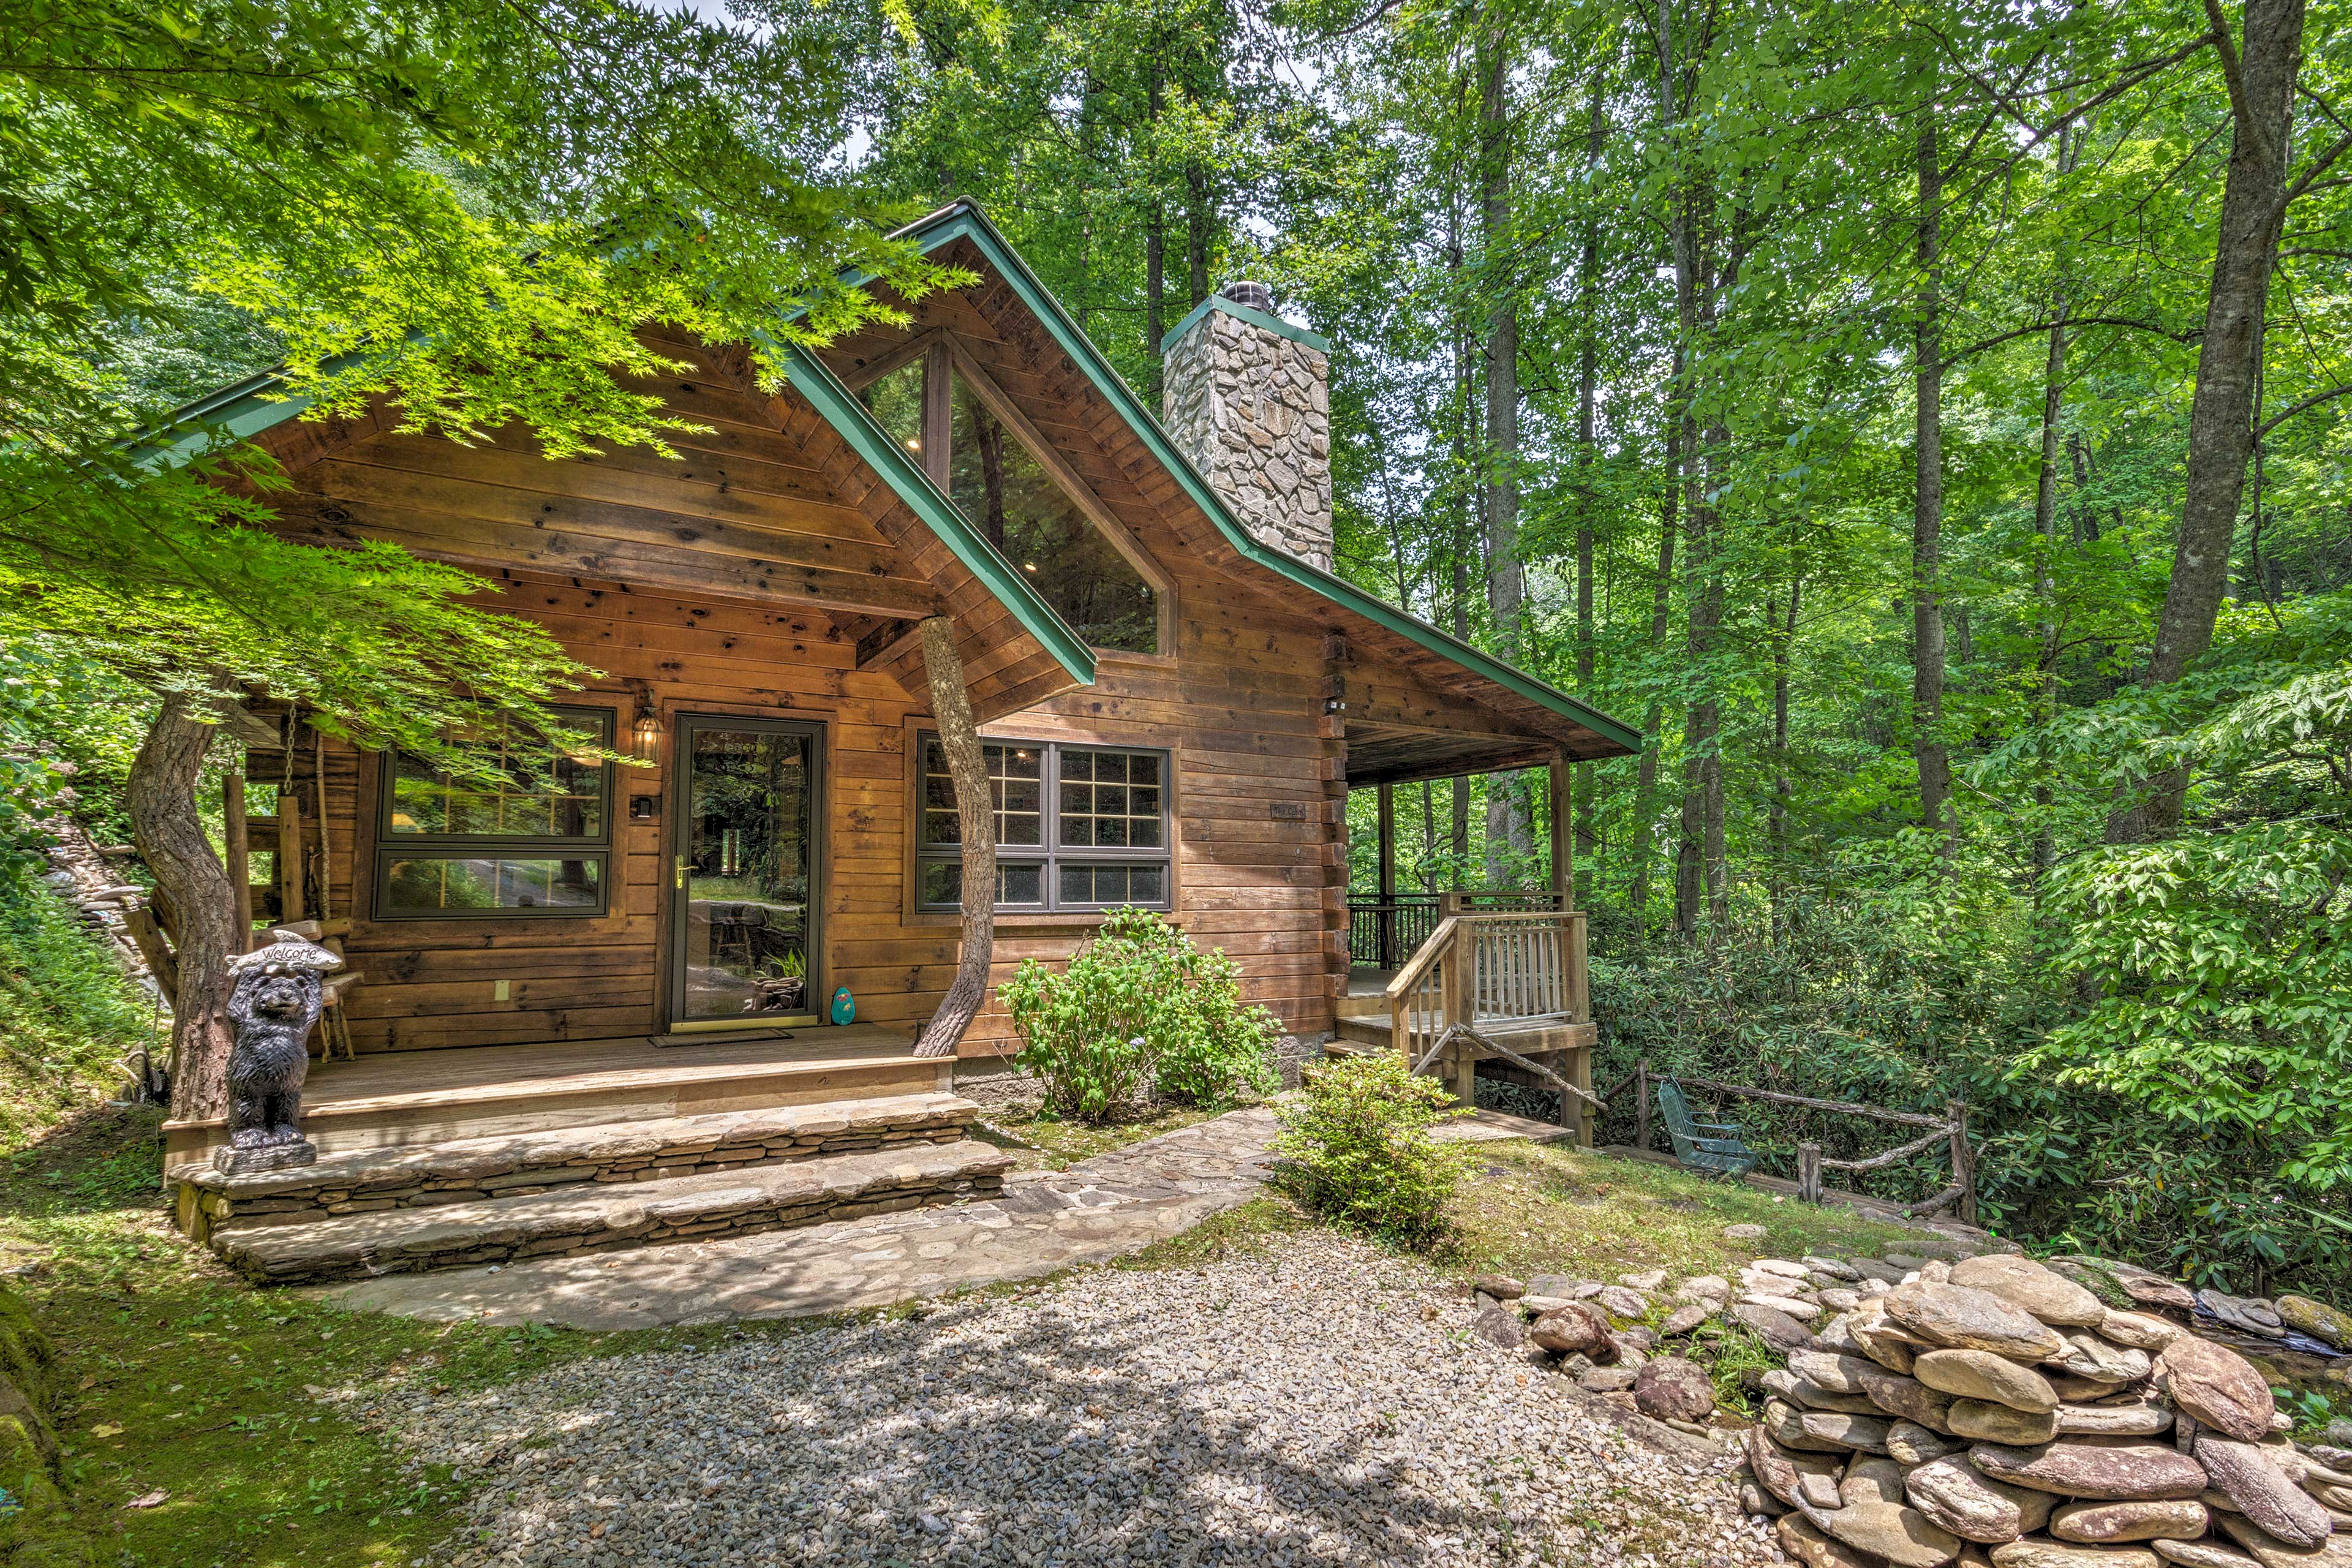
x=239 y=861
x=1642 y=1104
x=1563 y=841
x=1809 y=1173
x=326 y=845
x=1385 y=921
x=290 y=858
x=1964 y=1160
x=1580 y=1073
x=975 y=816
x=1576 y=963
x=1465 y=1073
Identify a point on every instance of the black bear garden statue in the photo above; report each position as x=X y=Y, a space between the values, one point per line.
x=273 y=1001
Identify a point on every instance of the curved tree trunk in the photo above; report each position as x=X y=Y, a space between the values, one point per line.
x=161 y=798
x=968 y=766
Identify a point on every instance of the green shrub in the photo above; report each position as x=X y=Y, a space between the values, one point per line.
x=1356 y=1148
x=70 y=1011
x=1139 y=1010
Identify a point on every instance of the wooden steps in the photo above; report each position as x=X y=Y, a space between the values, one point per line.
x=595 y=1217
x=401 y=1098
x=477 y=1170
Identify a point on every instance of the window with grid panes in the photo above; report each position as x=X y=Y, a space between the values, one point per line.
x=530 y=838
x=1078 y=827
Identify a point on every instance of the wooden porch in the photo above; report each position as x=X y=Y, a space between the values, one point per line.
x=410 y=1098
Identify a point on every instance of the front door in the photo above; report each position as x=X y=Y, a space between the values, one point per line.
x=744 y=891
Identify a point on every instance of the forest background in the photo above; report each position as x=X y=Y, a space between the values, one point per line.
x=1923 y=420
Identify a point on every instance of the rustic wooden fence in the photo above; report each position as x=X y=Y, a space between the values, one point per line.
x=1949 y=1132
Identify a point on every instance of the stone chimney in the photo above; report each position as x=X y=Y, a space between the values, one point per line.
x=1248 y=400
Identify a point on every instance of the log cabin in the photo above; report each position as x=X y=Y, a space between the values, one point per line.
x=591 y=983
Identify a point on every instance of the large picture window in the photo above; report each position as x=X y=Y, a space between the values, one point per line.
x=1078 y=827
x=533 y=840
x=976 y=448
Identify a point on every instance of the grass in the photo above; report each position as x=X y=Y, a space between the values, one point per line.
x=1553 y=1208
x=264 y=1416
x=1063 y=1143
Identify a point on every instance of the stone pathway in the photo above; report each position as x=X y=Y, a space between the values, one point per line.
x=1100 y=1209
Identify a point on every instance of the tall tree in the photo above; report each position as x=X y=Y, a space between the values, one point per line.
x=2260 y=79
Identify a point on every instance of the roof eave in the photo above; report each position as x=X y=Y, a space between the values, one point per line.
x=963 y=219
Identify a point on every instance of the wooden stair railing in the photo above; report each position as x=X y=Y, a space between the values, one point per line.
x=1487 y=970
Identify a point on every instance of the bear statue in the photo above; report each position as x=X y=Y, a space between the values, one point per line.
x=274 y=999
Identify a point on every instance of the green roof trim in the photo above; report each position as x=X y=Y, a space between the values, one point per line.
x=1252 y=314
x=964 y=220
x=243 y=410
x=840 y=408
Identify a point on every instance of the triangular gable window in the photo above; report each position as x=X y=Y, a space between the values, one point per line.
x=972 y=443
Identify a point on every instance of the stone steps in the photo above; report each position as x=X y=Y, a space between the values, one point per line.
x=520 y=1164
x=589 y=1216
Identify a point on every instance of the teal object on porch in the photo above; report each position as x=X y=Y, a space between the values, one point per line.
x=845 y=1006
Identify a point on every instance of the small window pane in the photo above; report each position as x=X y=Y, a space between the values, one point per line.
x=1086 y=884
x=896 y=401
x=1018 y=882
x=440 y=884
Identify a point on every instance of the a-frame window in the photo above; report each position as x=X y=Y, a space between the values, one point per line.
x=982 y=452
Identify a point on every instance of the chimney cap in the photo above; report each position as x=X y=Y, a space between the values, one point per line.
x=1256 y=296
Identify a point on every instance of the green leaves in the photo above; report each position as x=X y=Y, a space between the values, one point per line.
x=1355 y=1147
x=1139 y=1010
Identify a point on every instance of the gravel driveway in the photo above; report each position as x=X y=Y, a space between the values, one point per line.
x=1290 y=1408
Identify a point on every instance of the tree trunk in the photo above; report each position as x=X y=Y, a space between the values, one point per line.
x=1510 y=827
x=1582 y=839
x=1196 y=236
x=1645 y=771
x=968 y=766
x=2046 y=590
x=1155 y=252
x=1935 y=809
x=2261 y=80
x=161 y=797
x=1783 y=646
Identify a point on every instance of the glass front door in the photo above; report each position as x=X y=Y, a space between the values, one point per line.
x=744 y=894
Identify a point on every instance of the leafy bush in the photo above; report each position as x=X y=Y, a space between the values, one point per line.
x=1140 y=1009
x=1356 y=1148
x=70 y=1011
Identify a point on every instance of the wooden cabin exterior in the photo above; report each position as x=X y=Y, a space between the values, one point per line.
x=1178 y=715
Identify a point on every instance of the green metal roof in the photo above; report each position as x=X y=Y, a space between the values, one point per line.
x=964 y=220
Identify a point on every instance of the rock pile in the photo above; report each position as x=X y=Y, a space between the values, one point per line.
x=1993 y=1410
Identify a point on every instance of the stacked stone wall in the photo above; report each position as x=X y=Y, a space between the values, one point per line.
x=1252 y=410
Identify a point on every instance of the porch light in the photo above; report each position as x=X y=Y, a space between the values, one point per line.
x=644 y=730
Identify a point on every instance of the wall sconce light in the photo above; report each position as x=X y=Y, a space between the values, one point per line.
x=645 y=729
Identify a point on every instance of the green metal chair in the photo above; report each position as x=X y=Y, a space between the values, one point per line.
x=1715 y=1146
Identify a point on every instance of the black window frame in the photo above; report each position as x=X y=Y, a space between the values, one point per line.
x=1052 y=854
x=597 y=847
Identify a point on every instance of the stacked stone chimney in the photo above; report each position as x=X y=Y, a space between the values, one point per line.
x=1248 y=400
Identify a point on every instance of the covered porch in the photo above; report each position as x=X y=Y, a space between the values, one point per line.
x=1471 y=983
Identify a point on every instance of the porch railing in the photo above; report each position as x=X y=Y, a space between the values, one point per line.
x=1382 y=933
x=1487 y=969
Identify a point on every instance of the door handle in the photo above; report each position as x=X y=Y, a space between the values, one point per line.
x=681 y=873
